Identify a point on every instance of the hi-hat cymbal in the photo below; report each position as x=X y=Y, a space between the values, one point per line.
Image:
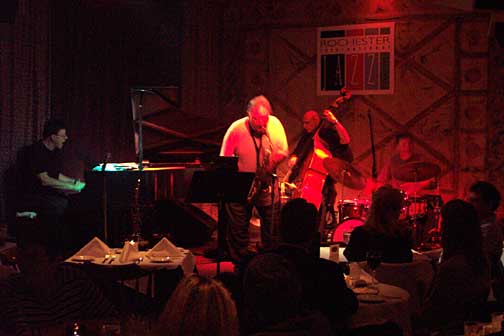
x=343 y=172
x=417 y=171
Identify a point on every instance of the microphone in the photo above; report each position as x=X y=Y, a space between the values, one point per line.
x=108 y=156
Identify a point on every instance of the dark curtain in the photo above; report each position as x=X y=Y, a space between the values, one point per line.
x=24 y=87
x=90 y=86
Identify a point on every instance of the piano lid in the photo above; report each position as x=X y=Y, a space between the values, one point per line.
x=170 y=134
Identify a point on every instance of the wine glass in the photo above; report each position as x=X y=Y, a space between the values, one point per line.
x=373 y=259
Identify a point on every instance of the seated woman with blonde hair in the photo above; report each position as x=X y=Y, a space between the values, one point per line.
x=383 y=232
x=199 y=306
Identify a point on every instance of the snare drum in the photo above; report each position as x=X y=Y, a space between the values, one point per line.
x=355 y=208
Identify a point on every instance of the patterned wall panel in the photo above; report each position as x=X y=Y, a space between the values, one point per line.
x=495 y=105
x=441 y=75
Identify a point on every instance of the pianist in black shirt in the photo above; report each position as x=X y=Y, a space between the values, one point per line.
x=45 y=187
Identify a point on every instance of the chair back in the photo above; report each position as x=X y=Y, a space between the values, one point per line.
x=414 y=277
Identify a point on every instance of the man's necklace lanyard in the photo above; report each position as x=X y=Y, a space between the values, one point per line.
x=257 y=147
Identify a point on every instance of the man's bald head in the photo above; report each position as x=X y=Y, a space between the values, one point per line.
x=259 y=110
x=311 y=119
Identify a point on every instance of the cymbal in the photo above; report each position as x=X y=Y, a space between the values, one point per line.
x=343 y=172
x=417 y=171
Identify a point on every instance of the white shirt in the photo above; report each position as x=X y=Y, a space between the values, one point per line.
x=239 y=142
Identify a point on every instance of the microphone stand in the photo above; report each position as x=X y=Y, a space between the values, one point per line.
x=140 y=131
x=105 y=198
x=418 y=232
x=136 y=218
x=272 y=219
x=374 y=172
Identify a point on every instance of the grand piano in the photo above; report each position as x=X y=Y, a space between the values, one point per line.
x=151 y=198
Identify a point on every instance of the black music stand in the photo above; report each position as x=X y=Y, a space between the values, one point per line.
x=220 y=186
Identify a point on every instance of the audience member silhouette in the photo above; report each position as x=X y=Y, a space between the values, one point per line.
x=46 y=292
x=462 y=281
x=485 y=197
x=199 y=306
x=323 y=284
x=382 y=231
x=272 y=298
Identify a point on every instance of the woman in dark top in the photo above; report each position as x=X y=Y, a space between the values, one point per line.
x=462 y=281
x=382 y=232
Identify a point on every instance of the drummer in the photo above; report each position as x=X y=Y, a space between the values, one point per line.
x=404 y=155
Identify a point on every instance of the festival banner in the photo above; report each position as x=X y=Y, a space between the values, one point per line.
x=358 y=57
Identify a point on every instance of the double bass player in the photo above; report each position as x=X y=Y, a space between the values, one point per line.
x=326 y=134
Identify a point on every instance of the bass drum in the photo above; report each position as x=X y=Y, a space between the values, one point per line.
x=347 y=226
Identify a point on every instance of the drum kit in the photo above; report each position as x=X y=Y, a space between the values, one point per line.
x=421 y=212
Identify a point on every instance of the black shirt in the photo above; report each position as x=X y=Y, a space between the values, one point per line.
x=394 y=249
x=332 y=141
x=38 y=159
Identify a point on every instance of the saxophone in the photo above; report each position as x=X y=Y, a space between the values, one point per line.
x=262 y=180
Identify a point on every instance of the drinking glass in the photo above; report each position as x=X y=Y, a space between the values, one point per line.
x=334 y=252
x=346 y=236
x=373 y=259
x=354 y=272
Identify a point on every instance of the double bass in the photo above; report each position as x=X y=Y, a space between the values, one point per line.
x=308 y=175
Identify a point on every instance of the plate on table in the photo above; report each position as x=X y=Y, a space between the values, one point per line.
x=159 y=259
x=370 y=298
x=83 y=258
x=116 y=262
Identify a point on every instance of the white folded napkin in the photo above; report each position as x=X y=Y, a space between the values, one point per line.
x=95 y=248
x=164 y=249
x=129 y=252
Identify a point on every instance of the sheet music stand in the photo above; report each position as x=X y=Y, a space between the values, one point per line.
x=220 y=186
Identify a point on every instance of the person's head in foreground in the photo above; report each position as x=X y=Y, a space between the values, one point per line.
x=298 y=222
x=386 y=206
x=199 y=306
x=461 y=233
